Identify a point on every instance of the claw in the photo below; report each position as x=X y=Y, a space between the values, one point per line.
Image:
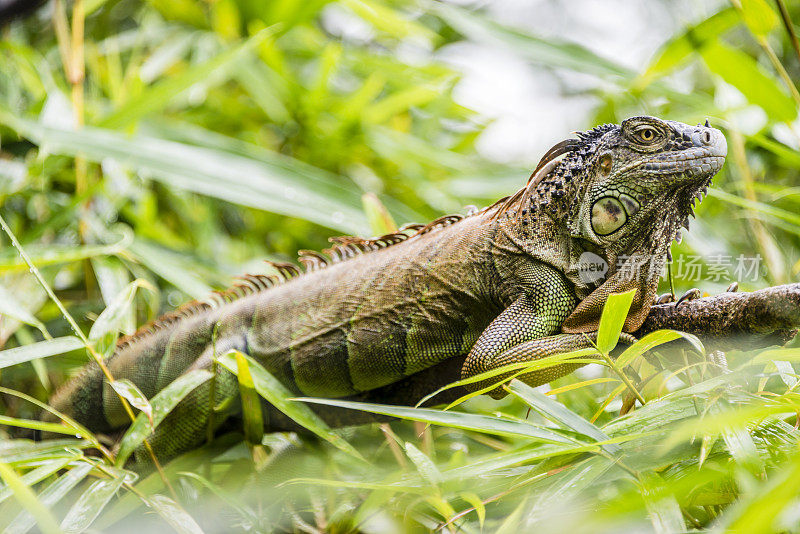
x=692 y=294
x=666 y=298
x=733 y=288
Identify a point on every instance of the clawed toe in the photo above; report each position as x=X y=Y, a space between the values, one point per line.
x=666 y=298
x=692 y=294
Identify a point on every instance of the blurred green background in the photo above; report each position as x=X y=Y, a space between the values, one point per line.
x=152 y=150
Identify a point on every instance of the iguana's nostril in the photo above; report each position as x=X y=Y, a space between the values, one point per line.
x=706 y=137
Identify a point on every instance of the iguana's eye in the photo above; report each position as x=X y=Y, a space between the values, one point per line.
x=646 y=134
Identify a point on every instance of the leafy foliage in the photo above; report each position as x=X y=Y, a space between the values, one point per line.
x=174 y=144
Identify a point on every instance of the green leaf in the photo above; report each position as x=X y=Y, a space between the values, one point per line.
x=512 y=523
x=424 y=465
x=675 y=52
x=42 y=256
x=759 y=512
x=36 y=425
x=277 y=185
x=251 y=403
x=783 y=354
x=27 y=452
x=68 y=421
x=174 y=515
x=45 y=469
x=186 y=11
x=380 y=220
x=465 y=421
x=741 y=71
x=128 y=390
x=10 y=307
x=28 y=500
x=476 y=503
x=615 y=311
x=160 y=95
x=576 y=356
x=400 y=102
x=41 y=349
x=386 y=19
x=110 y=320
x=279 y=396
x=162 y=404
x=551 y=51
x=767 y=211
x=663 y=509
x=171 y=267
x=759 y=17
x=259 y=82
x=653 y=340
x=560 y=414
x=91 y=502
x=51 y=495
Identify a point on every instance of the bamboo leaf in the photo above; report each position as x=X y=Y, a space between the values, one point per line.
x=12 y=308
x=91 y=502
x=128 y=390
x=174 y=515
x=28 y=500
x=678 y=49
x=424 y=465
x=55 y=254
x=36 y=425
x=380 y=220
x=162 y=405
x=759 y=17
x=741 y=71
x=465 y=421
x=41 y=349
x=663 y=509
x=386 y=19
x=251 y=404
x=111 y=319
x=279 y=187
x=552 y=52
x=560 y=414
x=612 y=319
x=157 y=97
x=477 y=504
x=653 y=340
x=276 y=394
x=51 y=495
x=38 y=474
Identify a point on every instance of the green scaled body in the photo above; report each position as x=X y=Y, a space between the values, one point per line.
x=499 y=286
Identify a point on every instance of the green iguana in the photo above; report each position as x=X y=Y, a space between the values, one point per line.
x=505 y=284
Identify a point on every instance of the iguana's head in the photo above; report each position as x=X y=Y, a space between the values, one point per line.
x=618 y=183
x=645 y=171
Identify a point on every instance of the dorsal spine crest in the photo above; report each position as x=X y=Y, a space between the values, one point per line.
x=343 y=249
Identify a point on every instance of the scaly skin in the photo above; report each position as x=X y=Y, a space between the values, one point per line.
x=500 y=286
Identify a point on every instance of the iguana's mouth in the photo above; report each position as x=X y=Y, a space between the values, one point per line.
x=688 y=165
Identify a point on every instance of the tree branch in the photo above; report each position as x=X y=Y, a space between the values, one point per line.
x=733 y=320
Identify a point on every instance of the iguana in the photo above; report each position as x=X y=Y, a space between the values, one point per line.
x=504 y=284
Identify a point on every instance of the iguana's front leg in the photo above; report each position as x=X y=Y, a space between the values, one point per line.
x=525 y=331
